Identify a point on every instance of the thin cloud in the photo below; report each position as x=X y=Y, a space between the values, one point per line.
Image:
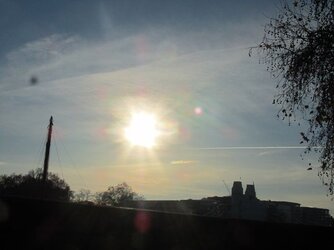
x=183 y=162
x=253 y=148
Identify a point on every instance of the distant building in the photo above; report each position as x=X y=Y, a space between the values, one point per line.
x=246 y=206
x=315 y=216
x=241 y=205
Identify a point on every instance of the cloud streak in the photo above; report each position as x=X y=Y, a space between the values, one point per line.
x=183 y=162
x=252 y=148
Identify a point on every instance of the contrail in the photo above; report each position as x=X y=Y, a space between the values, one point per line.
x=252 y=148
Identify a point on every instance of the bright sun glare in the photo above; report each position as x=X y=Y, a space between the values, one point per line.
x=142 y=130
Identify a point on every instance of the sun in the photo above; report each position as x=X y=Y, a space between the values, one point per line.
x=142 y=130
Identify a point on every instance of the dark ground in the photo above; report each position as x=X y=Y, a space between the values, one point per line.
x=36 y=224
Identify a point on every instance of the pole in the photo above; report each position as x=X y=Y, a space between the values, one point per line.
x=47 y=152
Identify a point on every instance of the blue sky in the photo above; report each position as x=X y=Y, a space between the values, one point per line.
x=98 y=61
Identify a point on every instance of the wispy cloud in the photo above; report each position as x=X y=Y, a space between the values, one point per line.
x=75 y=75
x=43 y=50
x=183 y=162
x=251 y=148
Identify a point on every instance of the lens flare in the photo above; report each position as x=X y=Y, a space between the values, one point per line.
x=198 y=111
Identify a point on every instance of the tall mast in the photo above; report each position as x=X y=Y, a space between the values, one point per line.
x=47 y=151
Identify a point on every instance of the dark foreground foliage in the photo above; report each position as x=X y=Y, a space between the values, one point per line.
x=116 y=195
x=37 y=224
x=32 y=186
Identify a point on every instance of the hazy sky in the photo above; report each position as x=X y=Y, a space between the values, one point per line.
x=186 y=62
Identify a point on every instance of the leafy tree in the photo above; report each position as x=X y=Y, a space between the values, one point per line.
x=298 y=48
x=32 y=186
x=83 y=195
x=116 y=195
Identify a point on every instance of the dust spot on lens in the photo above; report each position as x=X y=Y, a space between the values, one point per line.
x=33 y=80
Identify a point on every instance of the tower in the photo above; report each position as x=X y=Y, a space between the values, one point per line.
x=237 y=190
x=250 y=192
x=236 y=201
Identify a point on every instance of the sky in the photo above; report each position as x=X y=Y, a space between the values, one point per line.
x=95 y=64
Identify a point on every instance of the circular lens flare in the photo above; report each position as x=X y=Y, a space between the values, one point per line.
x=142 y=130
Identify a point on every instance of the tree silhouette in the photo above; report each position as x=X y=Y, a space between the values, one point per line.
x=31 y=185
x=82 y=196
x=116 y=195
x=298 y=48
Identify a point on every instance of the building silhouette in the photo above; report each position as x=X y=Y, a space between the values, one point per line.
x=241 y=205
